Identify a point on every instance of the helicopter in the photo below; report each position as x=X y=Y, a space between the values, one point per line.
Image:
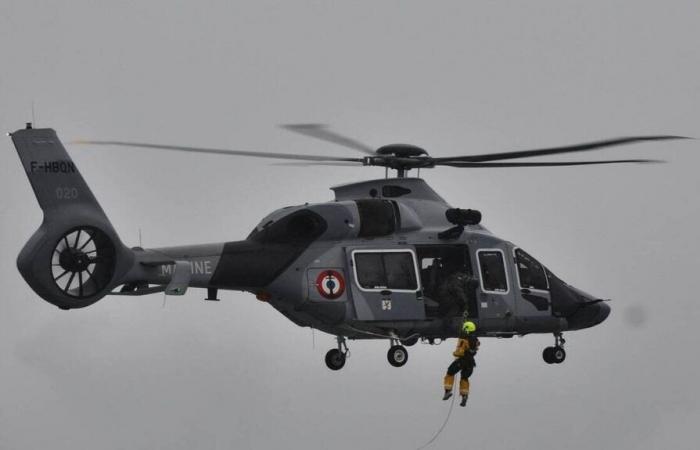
x=367 y=265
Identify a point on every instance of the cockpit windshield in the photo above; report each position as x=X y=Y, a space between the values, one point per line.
x=531 y=273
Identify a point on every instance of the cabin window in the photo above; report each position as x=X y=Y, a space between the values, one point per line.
x=530 y=272
x=493 y=271
x=378 y=270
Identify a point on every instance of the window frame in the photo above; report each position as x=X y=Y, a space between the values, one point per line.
x=416 y=273
x=517 y=271
x=481 y=271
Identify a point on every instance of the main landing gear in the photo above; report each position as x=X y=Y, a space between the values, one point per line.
x=556 y=354
x=336 y=357
x=397 y=354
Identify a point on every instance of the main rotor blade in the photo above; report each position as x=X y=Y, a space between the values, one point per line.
x=320 y=131
x=218 y=151
x=543 y=163
x=320 y=163
x=586 y=146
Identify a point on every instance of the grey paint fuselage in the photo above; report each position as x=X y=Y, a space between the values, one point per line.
x=358 y=314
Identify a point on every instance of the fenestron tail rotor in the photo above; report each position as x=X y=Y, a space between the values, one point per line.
x=75 y=257
x=83 y=262
x=404 y=157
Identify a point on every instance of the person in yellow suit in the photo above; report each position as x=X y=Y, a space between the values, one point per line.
x=467 y=346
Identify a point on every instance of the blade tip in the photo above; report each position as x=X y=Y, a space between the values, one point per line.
x=679 y=137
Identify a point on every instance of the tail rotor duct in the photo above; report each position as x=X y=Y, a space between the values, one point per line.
x=83 y=262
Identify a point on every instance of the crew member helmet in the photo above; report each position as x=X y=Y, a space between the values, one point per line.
x=468 y=327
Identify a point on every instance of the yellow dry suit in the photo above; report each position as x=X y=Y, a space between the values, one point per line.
x=464 y=363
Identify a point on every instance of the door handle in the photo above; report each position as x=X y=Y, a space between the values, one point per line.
x=385 y=292
x=526 y=291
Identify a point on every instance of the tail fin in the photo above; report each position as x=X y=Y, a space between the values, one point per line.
x=75 y=257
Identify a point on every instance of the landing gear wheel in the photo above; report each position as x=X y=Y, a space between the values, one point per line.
x=547 y=355
x=558 y=355
x=335 y=359
x=397 y=355
x=554 y=355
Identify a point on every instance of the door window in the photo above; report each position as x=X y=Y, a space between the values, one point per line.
x=493 y=271
x=378 y=270
x=530 y=272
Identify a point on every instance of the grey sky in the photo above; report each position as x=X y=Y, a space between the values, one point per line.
x=453 y=77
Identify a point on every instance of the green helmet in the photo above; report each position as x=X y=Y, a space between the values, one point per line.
x=468 y=327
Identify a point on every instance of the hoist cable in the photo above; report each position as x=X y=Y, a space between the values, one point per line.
x=444 y=424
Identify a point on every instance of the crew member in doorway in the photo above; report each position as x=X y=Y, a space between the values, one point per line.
x=467 y=346
x=453 y=292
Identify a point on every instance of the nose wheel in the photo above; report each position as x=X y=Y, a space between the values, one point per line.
x=336 y=357
x=555 y=354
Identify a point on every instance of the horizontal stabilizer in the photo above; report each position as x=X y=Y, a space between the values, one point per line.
x=142 y=291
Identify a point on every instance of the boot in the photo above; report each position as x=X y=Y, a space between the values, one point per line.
x=464 y=400
x=447 y=383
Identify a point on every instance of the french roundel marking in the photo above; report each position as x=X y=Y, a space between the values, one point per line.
x=330 y=284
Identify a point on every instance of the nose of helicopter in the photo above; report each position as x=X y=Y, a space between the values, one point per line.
x=591 y=311
x=590 y=315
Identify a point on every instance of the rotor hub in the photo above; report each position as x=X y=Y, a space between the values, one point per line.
x=401 y=150
x=400 y=157
x=73 y=260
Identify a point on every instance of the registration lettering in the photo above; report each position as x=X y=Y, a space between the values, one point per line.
x=52 y=167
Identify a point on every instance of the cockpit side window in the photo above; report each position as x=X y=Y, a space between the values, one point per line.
x=493 y=271
x=530 y=272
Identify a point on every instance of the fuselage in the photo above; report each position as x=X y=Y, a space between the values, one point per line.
x=372 y=264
